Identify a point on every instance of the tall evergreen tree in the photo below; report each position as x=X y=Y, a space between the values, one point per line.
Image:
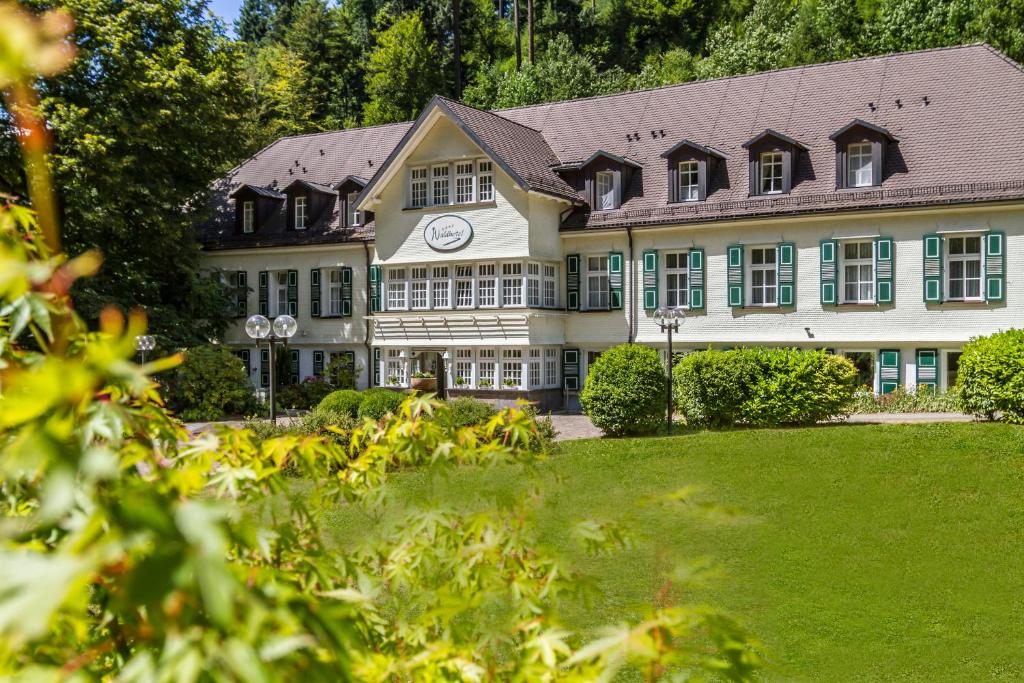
x=254 y=20
x=402 y=74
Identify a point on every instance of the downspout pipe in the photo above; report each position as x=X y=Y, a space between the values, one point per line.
x=631 y=294
x=367 y=321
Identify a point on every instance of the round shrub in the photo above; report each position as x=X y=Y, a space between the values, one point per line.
x=990 y=378
x=345 y=402
x=305 y=395
x=625 y=391
x=466 y=411
x=377 y=403
x=210 y=385
x=709 y=387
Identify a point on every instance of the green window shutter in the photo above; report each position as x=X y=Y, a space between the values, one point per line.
x=650 y=279
x=350 y=361
x=346 y=292
x=615 y=279
x=928 y=369
x=264 y=292
x=828 y=251
x=264 y=368
x=241 y=294
x=696 y=278
x=572 y=282
x=293 y=292
x=293 y=366
x=376 y=366
x=318 y=363
x=883 y=270
x=314 y=293
x=571 y=369
x=735 y=275
x=375 y=295
x=995 y=266
x=787 y=274
x=889 y=370
x=932 y=268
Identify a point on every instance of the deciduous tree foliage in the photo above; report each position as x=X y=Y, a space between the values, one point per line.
x=401 y=75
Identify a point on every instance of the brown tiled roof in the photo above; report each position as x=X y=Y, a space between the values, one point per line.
x=955 y=112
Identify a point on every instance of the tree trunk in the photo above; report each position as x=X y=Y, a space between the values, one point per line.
x=519 y=46
x=529 y=29
x=457 y=40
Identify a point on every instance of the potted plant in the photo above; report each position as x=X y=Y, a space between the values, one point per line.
x=485 y=384
x=393 y=380
x=510 y=384
x=424 y=381
x=460 y=381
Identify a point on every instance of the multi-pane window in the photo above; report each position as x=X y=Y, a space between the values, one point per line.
x=334 y=292
x=512 y=284
x=771 y=172
x=605 y=182
x=677 y=289
x=248 y=216
x=858 y=272
x=763 y=276
x=395 y=368
x=485 y=369
x=486 y=181
x=300 y=213
x=964 y=268
x=354 y=216
x=550 y=286
x=441 y=288
x=464 y=286
x=463 y=375
x=418 y=187
x=464 y=182
x=439 y=184
x=418 y=289
x=533 y=284
x=511 y=368
x=486 y=285
x=551 y=367
x=281 y=296
x=597 y=282
x=688 y=181
x=534 y=377
x=859 y=164
x=397 y=289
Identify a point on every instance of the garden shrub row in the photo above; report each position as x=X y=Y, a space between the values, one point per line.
x=990 y=377
x=624 y=393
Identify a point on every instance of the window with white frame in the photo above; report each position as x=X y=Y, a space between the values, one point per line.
x=689 y=190
x=963 y=268
x=300 y=213
x=605 y=188
x=858 y=273
x=486 y=285
x=486 y=181
x=334 y=292
x=394 y=368
x=248 y=216
x=597 y=282
x=533 y=284
x=397 y=289
x=512 y=368
x=464 y=286
x=418 y=187
x=763 y=276
x=355 y=217
x=419 y=287
x=441 y=288
x=858 y=156
x=550 y=286
x=485 y=369
x=439 y=184
x=677 y=286
x=551 y=367
x=463 y=374
x=512 y=284
x=771 y=172
x=281 y=292
x=465 y=182
x=534 y=379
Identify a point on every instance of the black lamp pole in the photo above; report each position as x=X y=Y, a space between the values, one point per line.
x=668 y=321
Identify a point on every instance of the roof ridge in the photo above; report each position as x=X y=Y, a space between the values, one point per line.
x=784 y=69
x=339 y=130
x=1003 y=56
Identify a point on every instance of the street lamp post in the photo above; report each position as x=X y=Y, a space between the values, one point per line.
x=668 y=320
x=144 y=343
x=284 y=328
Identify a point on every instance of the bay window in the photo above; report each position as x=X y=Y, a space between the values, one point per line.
x=463 y=374
x=550 y=286
x=858 y=272
x=441 y=288
x=597 y=282
x=397 y=289
x=551 y=367
x=486 y=285
x=963 y=268
x=534 y=367
x=677 y=289
x=394 y=369
x=485 y=369
x=464 y=286
x=763 y=276
x=512 y=284
x=533 y=284
x=418 y=289
x=512 y=368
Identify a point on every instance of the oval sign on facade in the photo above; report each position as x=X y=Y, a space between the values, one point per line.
x=448 y=233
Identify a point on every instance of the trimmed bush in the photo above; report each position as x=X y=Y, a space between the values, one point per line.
x=377 y=403
x=905 y=401
x=305 y=395
x=990 y=377
x=344 y=402
x=625 y=391
x=210 y=385
x=468 y=412
x=763 y=387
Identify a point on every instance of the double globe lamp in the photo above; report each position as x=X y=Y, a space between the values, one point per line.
x=259 y=328
x=669 y=319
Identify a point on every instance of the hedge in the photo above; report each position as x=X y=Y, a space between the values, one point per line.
x=990 y=376
x=625 y=391
x=210 y=385
x=344 y=401
x=377 y=403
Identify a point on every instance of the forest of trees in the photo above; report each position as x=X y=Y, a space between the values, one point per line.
x=163 y=99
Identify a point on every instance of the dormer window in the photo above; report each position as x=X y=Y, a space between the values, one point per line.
x=860 y=154
x=248 y=216
x=300 y=212
x=858 y=170
x=771 y=172
x=605 y=195
x=689 y=181
x=691 y=170
x=354 y=216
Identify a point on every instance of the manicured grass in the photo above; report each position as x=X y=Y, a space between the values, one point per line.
x=864 y=553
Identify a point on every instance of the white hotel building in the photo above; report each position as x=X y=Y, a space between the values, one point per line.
x=873 y=208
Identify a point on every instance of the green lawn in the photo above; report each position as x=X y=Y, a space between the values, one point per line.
x=866 y=553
